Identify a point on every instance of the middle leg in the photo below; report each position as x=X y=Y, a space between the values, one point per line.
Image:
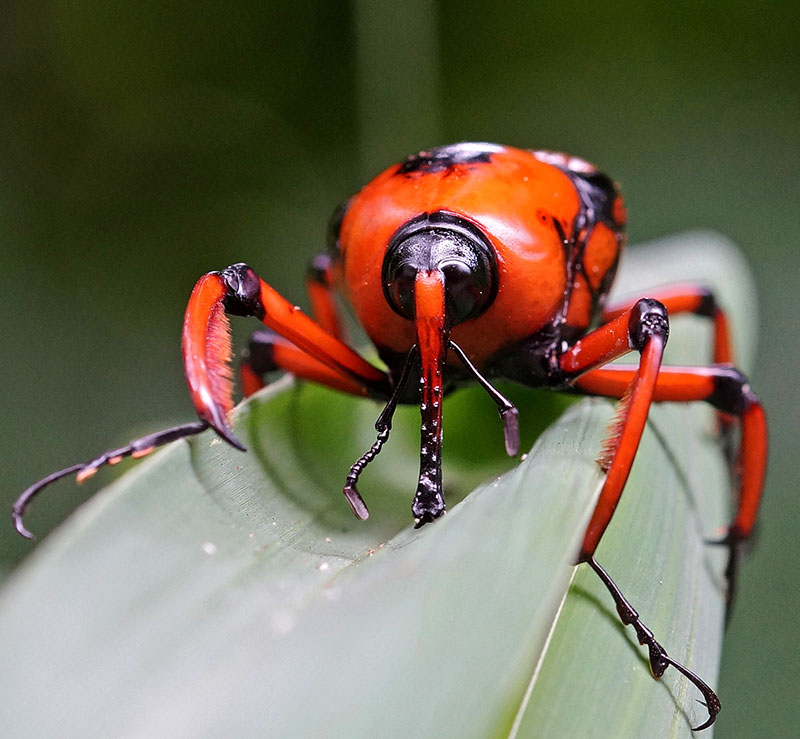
x=269 y=352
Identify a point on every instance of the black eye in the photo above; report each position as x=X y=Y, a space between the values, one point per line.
x=400 y=288
x=446 y=242
x=465 y=287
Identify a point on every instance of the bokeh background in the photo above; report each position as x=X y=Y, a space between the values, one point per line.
x=144 y=143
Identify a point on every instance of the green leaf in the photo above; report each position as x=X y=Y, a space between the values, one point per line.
x=213 y=593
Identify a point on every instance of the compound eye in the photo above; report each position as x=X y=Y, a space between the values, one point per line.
x=466 y=289
x=400 y=289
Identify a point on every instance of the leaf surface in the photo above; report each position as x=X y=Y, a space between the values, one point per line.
x=209 y=592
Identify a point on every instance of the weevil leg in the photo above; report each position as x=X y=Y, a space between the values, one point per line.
x=643 y=328
x=269 y=352
x=688 y=298
x=727 y=390
x=84 y=470
x=238 y=290
x=659 y=659
x=699 y=300
x=321 y=296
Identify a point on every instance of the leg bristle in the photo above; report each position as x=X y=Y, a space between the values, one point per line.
x=614 y=431
x=219 y=355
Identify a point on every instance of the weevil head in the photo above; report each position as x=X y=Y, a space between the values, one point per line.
x=447 y=243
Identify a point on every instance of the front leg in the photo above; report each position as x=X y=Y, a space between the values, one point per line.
x=643 y=328
x=727 y=390
x=238 y=290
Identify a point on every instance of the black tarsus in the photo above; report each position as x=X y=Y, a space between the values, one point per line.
x=143 y=444
x=659 y=659
x=383 y=426
x=21 y=504
x=508 y=412
x=733 y=545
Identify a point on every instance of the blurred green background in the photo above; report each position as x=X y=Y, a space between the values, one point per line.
x=142 y=144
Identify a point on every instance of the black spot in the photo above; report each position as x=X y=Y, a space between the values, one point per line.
x=708 y=303
x=731 y=393
x=444 y=157
x=648 y=318
x=335 y=227
x=598 y=193
x=243 y=291
x=261 y=352
x=319 y=270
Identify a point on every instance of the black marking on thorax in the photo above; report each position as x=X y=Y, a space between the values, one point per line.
x=443 y=158
x=535 y=360
x=332 y=238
